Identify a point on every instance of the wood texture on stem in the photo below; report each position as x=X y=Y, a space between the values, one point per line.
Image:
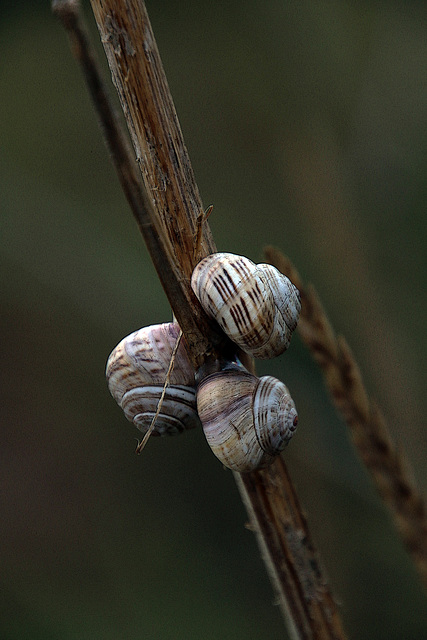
x=174 y=201
x=289 y=553
x=139 y=78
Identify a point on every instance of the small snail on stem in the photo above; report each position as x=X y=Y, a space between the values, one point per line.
x=136 y=374
x=247 y=420
x=254 y=304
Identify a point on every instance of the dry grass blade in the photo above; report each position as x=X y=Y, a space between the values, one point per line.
x=150 y=430
x=387 y=464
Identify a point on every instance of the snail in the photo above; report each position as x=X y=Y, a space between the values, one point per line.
x=136 y=372
x=247 y=420
x=256 y=306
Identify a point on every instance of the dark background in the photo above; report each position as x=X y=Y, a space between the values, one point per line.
x=306 y=125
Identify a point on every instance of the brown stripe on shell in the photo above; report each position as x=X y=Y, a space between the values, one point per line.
x=255 y=305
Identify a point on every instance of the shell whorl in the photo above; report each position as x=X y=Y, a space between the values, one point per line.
x=255 y=305
x=286 y=296
x=247 y=420
x=136 y=372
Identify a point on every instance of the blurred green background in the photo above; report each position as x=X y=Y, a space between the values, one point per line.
x=306 y=125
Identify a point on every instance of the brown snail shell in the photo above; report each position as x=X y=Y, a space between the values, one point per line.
x=254 y=304
x=247 y=420
x=136 y=372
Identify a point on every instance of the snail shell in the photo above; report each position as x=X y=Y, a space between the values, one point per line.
x=136 y=372
x=255 y=305
x=247 y=420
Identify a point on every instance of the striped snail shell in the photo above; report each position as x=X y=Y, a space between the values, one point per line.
x=136 y=372
x=247 y=420
x=256 y=306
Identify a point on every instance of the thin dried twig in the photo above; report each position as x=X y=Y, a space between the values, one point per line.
x=276 y=515
x=387 y=464
x=201 y=219
x=150 y=429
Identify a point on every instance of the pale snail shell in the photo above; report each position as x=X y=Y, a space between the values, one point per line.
x=254 y=304
x=136 y=372
x=247 y=420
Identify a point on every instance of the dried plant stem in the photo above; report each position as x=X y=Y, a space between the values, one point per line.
x=386 y=463
x=279 y=523
x=196 y=326
x=184 y=237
